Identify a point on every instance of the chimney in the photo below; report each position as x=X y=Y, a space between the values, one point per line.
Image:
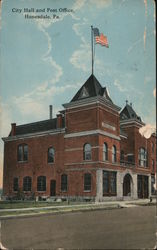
x=13 y=129
x=59 y=121
x=50 y=109
x=131 y=104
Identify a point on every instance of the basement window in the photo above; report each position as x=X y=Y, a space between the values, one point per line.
x=22 y=152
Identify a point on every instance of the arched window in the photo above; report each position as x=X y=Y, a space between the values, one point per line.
x=114 y=154
x=41 y=183
x=64 y=183
x=27 y=183
x=22 y=152
x=122 y=156
x=87 y=152
x=87 y=182
x=51 y=155
x=105 y=152
x=143 y=157
x=15 y=184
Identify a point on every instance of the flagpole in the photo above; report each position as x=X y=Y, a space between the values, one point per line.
x=92 y=46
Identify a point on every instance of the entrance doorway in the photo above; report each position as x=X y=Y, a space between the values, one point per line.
x=52 y=188
x=127 y=185
x=142 y=182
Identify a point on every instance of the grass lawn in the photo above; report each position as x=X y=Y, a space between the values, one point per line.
x=27 y=204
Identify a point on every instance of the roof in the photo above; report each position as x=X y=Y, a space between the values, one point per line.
x=129 y=113
x=91 y=88
x=40 y=126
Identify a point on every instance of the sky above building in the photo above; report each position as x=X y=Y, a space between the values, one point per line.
x=46 y=60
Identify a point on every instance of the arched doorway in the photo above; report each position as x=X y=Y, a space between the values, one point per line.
x=127 y=185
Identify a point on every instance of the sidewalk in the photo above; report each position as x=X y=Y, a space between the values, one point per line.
x=9 y=213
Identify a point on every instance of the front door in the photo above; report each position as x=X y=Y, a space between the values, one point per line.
x=127 y=185
x=52 y=188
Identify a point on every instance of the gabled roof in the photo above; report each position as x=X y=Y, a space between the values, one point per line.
x=35 y=127
x=129 y=113
x=91 y=88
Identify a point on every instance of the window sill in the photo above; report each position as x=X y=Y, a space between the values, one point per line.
x=22 y=162
x=87 y=191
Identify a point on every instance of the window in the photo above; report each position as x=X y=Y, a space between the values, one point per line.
x=109 y=183
x=87 y=152
x=41 y=183
x=130 y=158
x=143 y=157
x=87 y=182
x=153 y=165
x=122 y=156
x=64 y=183
x=105 y=152
x=152 y=184
x=114 y=157
x=22 y=154
x=152 y=147
x=15 y=184
x=51 y=155
x=27 y=183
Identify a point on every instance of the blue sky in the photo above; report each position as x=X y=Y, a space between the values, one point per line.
x=46 y=61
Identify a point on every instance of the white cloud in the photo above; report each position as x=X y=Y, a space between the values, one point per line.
x=119 y=86
x=80 y=58
x=147 y=130
x=100 y=3
x=79 y=4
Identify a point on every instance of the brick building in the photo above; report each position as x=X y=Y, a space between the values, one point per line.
x=91 y=150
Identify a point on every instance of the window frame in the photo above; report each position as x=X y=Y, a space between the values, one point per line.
x=41 y=182
x=86 y=152
x=87 y=182
x=27 y=184
x=22 y=156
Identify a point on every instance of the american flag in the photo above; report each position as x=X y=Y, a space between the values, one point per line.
x=100 y=38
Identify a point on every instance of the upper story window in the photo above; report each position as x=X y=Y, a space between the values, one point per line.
x=15 y=184
x=122 y=156
x=41 y=183
x=87 y=182
x=114 y=154
x=143 y=161
x=27 y=183
x=64 y=183
x=51 y=155
x=105 y=152
x=22 y=153
x=87 y=152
